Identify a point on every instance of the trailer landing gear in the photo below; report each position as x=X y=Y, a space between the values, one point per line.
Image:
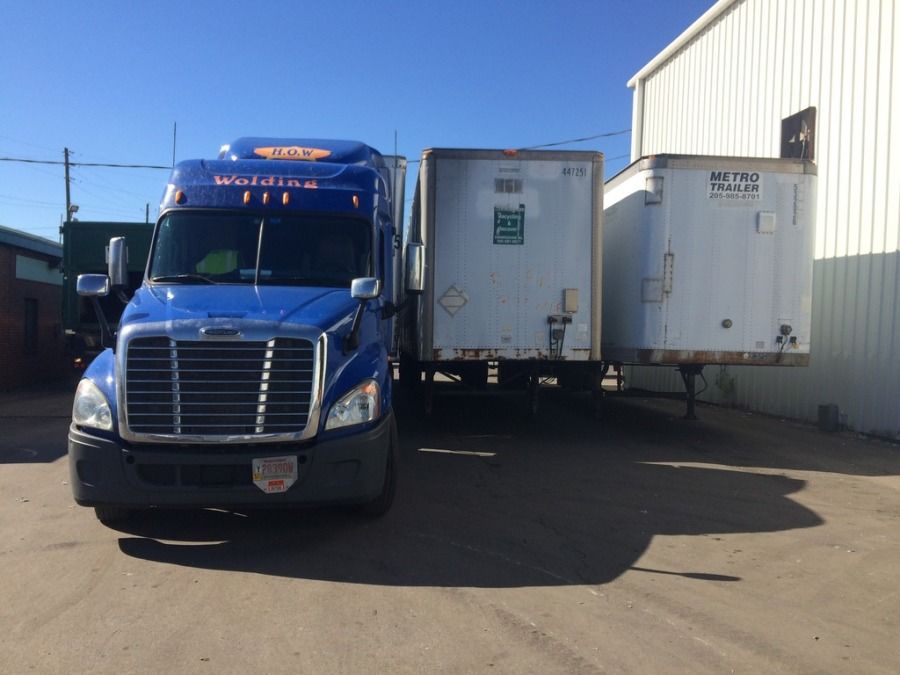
x=597 y=394
x=534 y=388
x=688 y=376
x=428 y=393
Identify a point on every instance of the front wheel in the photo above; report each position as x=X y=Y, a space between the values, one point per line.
x=383 y=502
x=110 y=515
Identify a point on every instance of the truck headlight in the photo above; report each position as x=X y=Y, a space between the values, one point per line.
x=361 y=404
x=91 y=409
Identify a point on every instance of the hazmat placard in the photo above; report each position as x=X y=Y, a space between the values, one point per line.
x=509 y=225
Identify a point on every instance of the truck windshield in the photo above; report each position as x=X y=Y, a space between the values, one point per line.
x=240 y=248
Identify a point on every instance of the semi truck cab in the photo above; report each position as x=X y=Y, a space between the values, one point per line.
x=251 y=366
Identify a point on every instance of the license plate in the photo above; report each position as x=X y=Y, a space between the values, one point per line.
x=274 y=474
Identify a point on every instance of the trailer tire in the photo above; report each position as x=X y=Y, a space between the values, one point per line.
x=512 y=375
x=475 y=374
x=109 y=515
x=383 y=502
x=574 y=379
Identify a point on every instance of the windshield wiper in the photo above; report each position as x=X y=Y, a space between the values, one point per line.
x=183 y=279
x=302 y=281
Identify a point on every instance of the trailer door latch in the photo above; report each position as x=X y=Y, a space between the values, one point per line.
x=668 y=265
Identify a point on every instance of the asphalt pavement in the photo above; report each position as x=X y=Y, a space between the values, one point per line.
x=560 y=543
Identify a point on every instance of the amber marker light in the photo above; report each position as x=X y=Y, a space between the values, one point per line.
x=510 y=153
x=247 y=197
x=265 y=197
x=179 y=197
x=286 y=198
x=355 y=201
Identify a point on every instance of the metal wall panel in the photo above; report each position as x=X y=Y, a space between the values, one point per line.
x=725 y=91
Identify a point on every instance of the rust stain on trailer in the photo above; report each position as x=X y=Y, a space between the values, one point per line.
x=674 y=357
x=464 y=354
x=492 y=354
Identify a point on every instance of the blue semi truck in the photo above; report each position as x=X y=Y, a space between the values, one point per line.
x=251 y=367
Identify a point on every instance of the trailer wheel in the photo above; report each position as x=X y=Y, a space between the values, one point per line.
x=511 y=375
x=475 y=375
x=383 y=502
x=573 y=378
x=109 y=515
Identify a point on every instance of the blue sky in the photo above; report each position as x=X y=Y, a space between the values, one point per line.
x=109 y=79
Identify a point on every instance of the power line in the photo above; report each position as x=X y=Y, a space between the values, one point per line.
x=30 y=206
x=607 y=134
x=45 y=172
x=27 y=201
x=110 y=165
x=108 y=189
x=578 y=140
x=167 y=168
x=33 y=145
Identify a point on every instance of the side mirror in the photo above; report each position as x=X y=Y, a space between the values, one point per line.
x=92 y=285
x=415 y=268
x=96 y=286
x=365 y=288
x=362 y=289
x=118 y=263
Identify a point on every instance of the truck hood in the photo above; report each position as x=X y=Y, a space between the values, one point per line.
x=319 y=307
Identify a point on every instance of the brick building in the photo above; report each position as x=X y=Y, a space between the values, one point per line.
x=31 y=337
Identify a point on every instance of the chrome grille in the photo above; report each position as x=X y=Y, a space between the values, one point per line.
x=214 y=388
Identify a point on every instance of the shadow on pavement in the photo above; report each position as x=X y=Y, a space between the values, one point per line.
x=558 y=500
x=744 y=439
x=34 y=423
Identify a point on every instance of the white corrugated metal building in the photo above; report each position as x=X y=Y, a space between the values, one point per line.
x=772 y=78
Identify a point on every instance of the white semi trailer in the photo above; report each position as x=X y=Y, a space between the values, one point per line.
x=508 y=245
x=708 y=260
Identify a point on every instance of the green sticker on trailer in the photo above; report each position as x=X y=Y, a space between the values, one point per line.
x=509 y=225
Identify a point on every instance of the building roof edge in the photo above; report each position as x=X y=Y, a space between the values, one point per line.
x=30 y=242
x=707 y=18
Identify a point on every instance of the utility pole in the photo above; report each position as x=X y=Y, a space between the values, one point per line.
x=68 y=194
x=147 y=213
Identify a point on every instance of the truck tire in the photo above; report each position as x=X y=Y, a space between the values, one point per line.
x=383 y=502
x=112 y=514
